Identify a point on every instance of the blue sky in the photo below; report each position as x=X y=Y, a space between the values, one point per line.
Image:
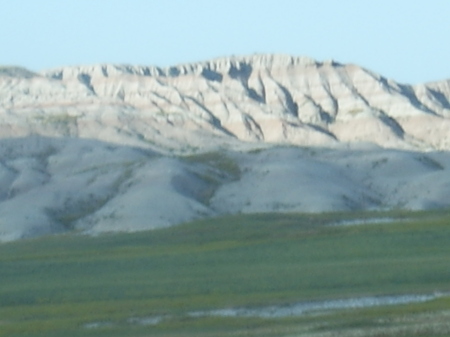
x=402 y=39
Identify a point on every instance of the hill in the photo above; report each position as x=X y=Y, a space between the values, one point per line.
x=259 y=98
x=123 y=148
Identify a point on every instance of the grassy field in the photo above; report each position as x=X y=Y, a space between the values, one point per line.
x=146 y=284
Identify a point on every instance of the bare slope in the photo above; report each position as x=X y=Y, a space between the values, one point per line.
x=259 y=98
x=50 y=185
x=97 y=148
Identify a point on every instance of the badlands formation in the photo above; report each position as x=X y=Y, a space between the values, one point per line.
x=122 y=148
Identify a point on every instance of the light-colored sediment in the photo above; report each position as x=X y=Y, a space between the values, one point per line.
x=96 y=148
x=258 y=98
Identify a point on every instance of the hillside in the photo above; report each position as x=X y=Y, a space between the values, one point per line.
x=54 y=185
x=259 y=98
x=108 y=148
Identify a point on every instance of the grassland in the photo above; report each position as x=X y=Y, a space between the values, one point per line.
x=146 y=284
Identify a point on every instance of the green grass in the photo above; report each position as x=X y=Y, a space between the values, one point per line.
x=56 y=285
x=217 y=160
x=218 y=167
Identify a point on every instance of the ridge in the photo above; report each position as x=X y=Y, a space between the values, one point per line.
x=222 y=64
x=232 y=101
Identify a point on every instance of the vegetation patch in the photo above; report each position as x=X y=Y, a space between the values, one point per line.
x=355 y=111
x=64 y=122
x=217 y=160
x=58 y=119
x=148 y=283
x=216 y=168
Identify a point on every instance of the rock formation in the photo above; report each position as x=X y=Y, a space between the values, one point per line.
x=123 y=148
x=260 y=98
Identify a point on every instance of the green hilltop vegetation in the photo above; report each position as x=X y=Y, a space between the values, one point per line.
x=150 y=283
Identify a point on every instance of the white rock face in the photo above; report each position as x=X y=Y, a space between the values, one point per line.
x=259 y=98
x=99 y=148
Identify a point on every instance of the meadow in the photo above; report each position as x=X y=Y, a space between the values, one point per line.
x=150 y=283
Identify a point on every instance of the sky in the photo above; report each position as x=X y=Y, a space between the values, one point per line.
x=405 y=40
